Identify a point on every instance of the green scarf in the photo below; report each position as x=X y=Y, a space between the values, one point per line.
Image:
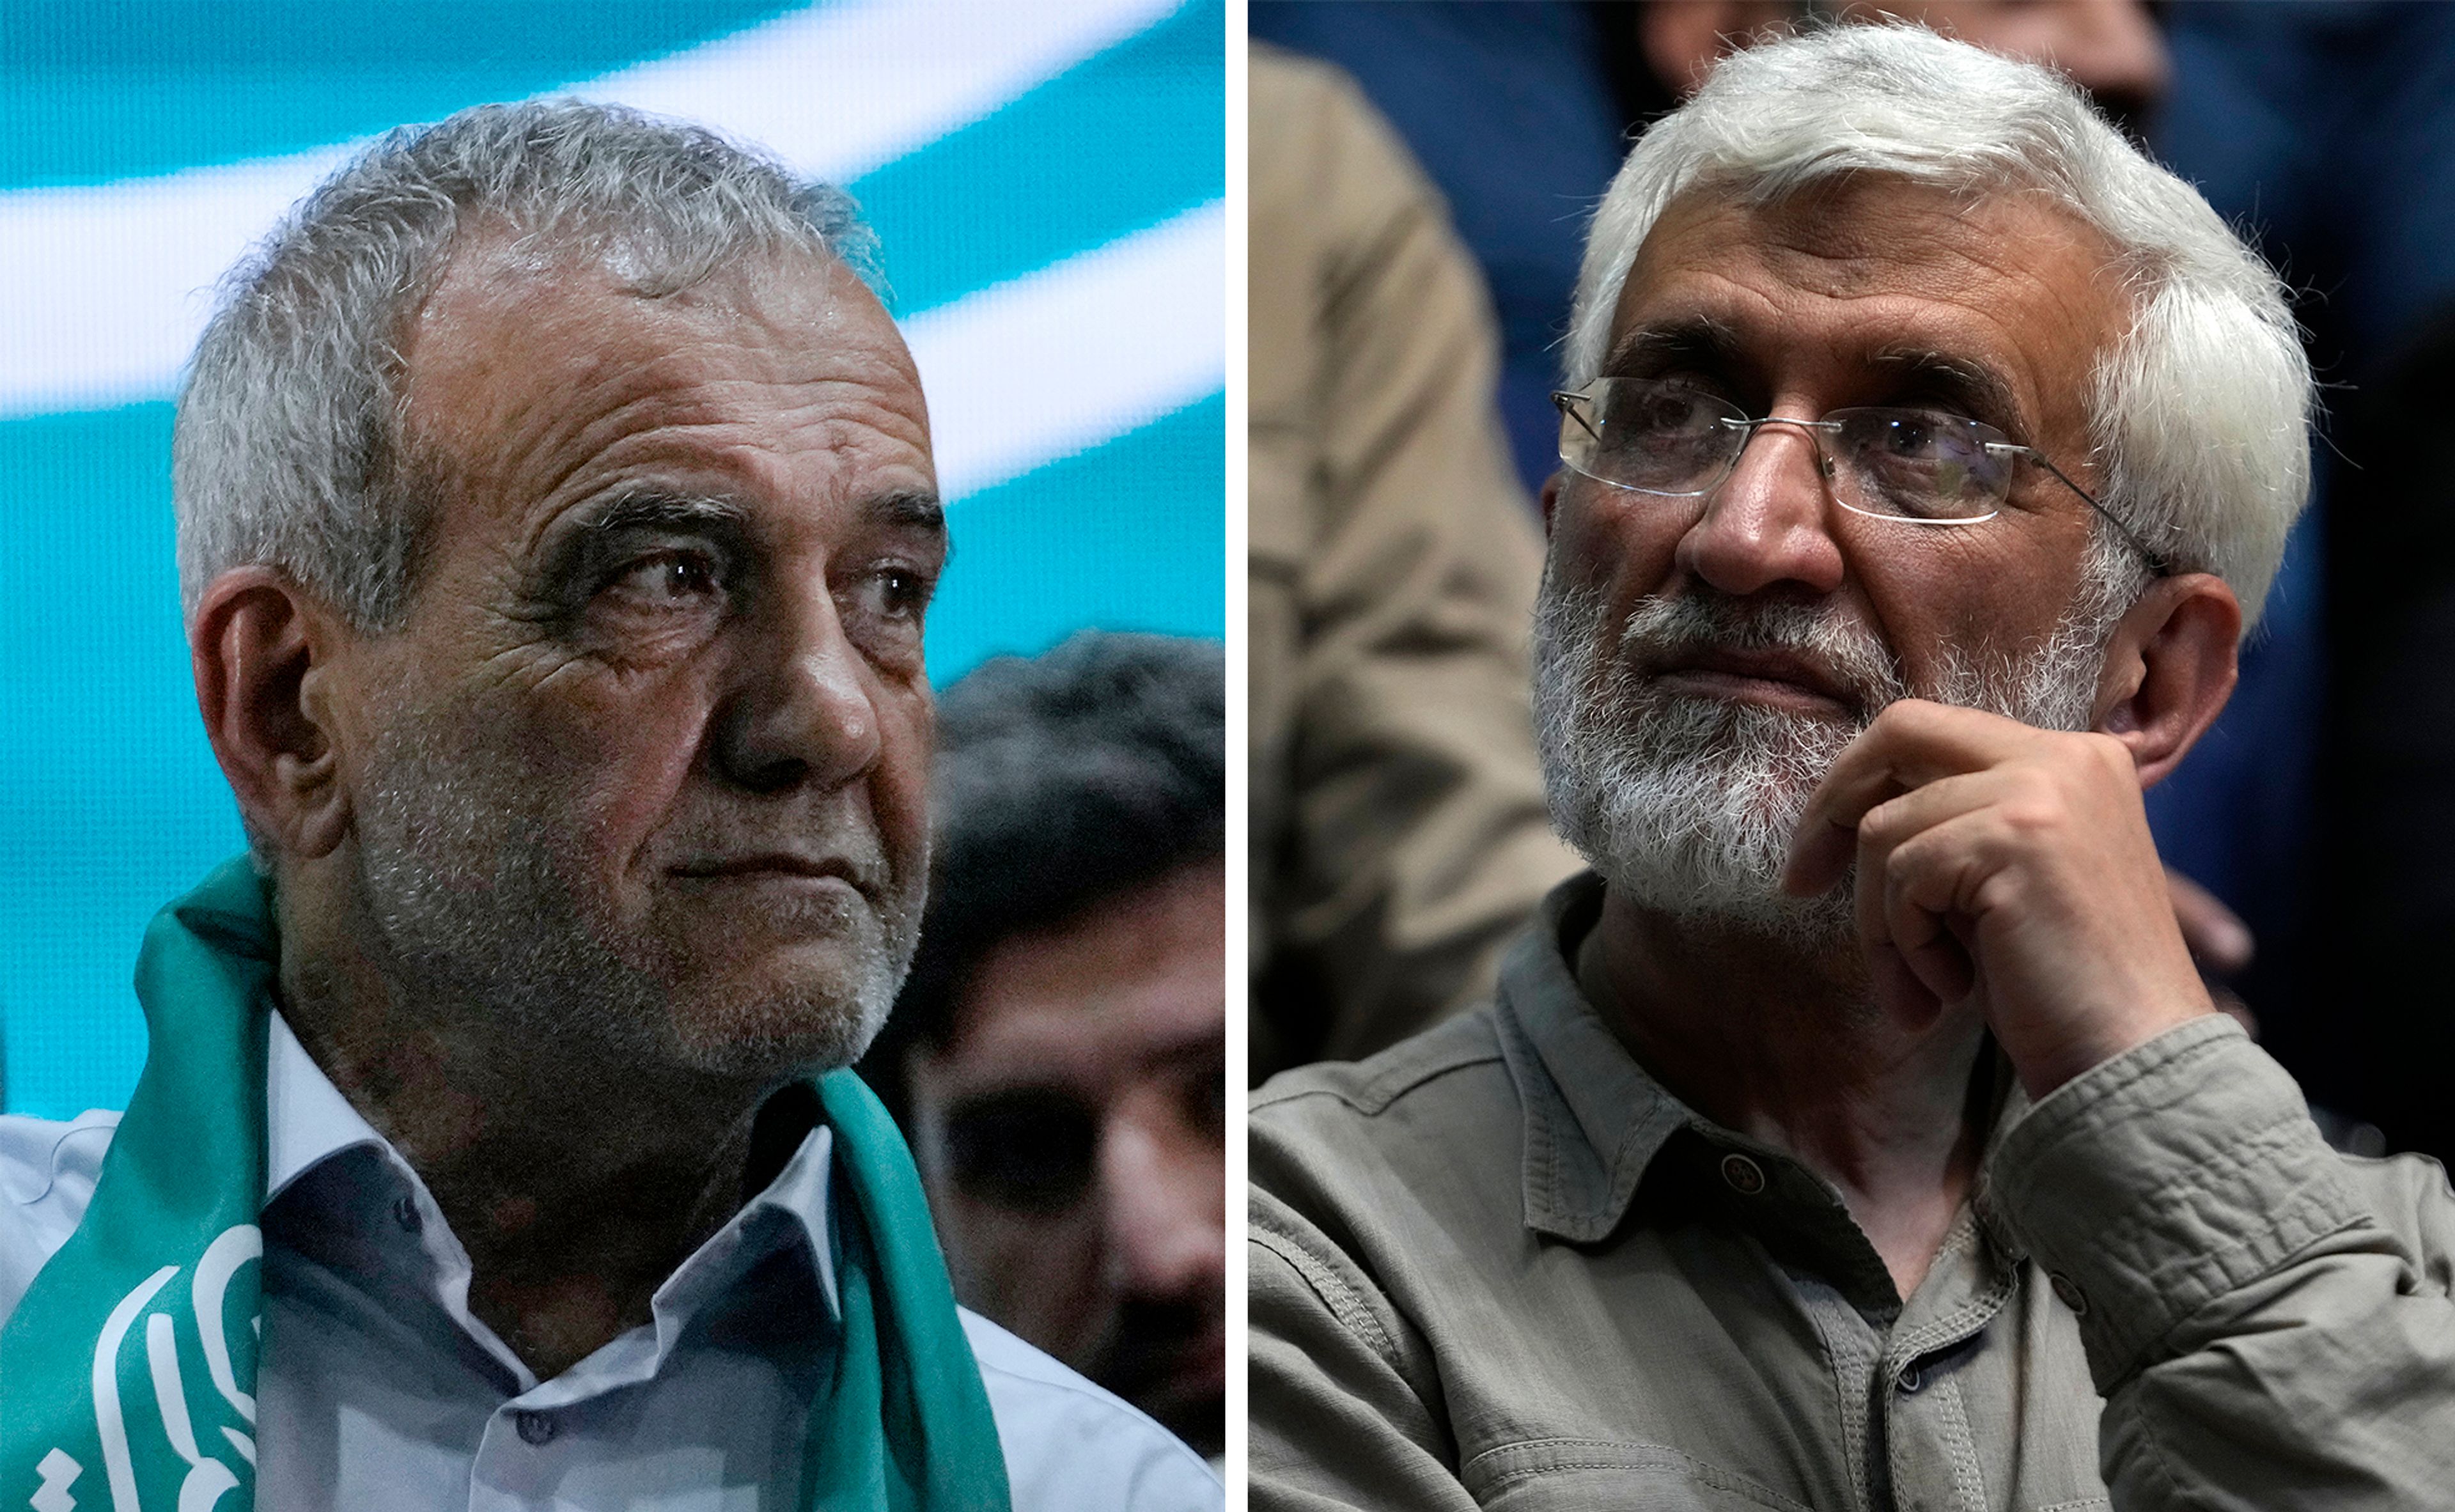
x=127 y=1372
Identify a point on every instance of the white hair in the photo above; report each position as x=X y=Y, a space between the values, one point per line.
x=289 y=450
x=2199 y=415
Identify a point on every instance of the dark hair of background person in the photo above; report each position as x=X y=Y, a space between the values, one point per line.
x=1060 y=780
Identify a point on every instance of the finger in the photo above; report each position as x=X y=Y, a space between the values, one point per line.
x=1885 y=825
x=1904 y=816
x=1915 y=962
x=1820 y=853
x=1907 y=815
x=1911 y=744
x=1918 y=902
x=1922 y=898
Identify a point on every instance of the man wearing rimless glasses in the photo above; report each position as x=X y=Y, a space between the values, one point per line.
x=1859 y=1133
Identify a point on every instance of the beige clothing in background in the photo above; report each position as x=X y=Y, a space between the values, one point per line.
x=1398 y=830
x=1502 y=1266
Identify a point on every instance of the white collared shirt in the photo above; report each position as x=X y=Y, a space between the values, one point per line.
x=379 y=1389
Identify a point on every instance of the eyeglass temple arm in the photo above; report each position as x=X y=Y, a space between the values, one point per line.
x=2157 y=563
x=1566 y=403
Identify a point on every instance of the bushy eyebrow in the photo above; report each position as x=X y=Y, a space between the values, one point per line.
x=650 y=507
x=918 y=513
x=1966 y=385
x=1697 y=340
x=572 y=544
x=659 y=507
x=913 y=511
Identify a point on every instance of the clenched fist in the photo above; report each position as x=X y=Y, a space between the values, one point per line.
x=2009 y=865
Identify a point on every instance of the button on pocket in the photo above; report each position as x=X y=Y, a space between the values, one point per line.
x=2069 y=1291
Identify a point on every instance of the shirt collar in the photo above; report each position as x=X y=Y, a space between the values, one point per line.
x=1594 y=1119
x=308 y=1123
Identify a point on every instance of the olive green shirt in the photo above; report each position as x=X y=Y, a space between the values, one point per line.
x=1499 y=1265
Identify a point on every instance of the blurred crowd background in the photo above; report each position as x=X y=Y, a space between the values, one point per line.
x=1422 y=174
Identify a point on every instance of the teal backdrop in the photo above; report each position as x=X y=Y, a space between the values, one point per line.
x=1047 y=180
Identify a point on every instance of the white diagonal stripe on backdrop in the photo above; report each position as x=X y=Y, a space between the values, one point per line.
x=104 y=290
x=840 y=91
x=1041 y=367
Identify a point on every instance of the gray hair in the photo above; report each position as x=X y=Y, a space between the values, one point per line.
x=2200 y=414
x=290 y=449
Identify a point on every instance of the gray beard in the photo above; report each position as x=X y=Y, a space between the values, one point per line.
x=1686 y=804
x=469 y=913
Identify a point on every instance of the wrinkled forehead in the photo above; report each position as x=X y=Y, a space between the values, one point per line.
x=1871 y=266
x=522 y=359
x=510 y=303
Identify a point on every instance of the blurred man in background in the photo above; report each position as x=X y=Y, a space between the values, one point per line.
x=1060 y=1045
x=1397 y=830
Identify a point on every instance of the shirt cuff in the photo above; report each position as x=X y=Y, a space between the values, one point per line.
x=2150 y=1185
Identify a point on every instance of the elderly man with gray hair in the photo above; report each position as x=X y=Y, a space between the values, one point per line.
x=556 y=522
x=1860 y=1133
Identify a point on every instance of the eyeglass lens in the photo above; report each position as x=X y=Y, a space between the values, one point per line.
x=1661 y=438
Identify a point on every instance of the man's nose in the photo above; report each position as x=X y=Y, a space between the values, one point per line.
x=1164 y=1191
x=802 y=710
x=1768 y=523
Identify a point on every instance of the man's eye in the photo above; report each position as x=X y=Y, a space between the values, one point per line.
x=1029 y=1148
x=890 y=599
x=665 y=580
x=898 y=593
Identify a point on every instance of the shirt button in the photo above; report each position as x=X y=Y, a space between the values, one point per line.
x=1745 y=1177
x=2072 y=1295
x=405 y=1212
x=1912 y=1378
x=536 y=1427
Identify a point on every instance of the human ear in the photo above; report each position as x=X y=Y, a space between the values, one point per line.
x=2169 y=668
x=263 y=650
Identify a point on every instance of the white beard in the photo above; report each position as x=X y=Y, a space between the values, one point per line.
x=1686 y=803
